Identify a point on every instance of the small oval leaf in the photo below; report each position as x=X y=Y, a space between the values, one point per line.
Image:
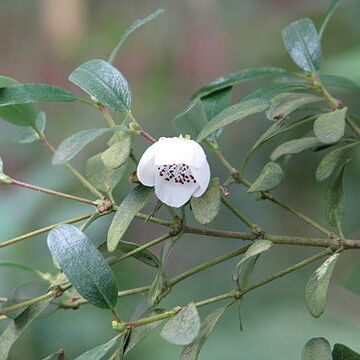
x=330 y=127
x=207 y=206
x=317 y=286
x=235 y=112
x=126 y=212
x=330 y=161
x=294 y=147
x=270 y=177
x=104 y=83
x=184 y=327
x=316 y=349
x=84 y=265
x=117 y=154
x=303 y=44
x=72 y=145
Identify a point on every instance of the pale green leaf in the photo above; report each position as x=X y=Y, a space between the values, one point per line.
x=207 y=206
x=126 y=212
x=98 y=352
x=317 y=286
x=156 y=288
x=58 y=355
x=303 y=44
x=117 y=154
x=294 y=147
x=316 y=349
x=184 y=327
x=270 y=177
x=340 y=81
x=29 y=135
x=329 y=13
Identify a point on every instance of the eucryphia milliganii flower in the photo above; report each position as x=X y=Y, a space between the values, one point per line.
x=178 y=169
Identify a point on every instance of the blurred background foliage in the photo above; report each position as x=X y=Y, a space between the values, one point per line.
x=42 y=41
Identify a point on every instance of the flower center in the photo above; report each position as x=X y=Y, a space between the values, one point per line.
x=178 y=173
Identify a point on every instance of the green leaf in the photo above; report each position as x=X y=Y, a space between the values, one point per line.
x=191 y=351
x=267 y=93
x=317 y=286
x=72 y=145
x=104 y=83
x=135 y=25
x=17 y=326
x=126 y=212
x=342 y=352
x=340 y=81
x=294 y=147
x=139 y=333
x=237 y=77
x=98 y=352
x=19 y=114
x=30 y=93
x=24 y=267
x=184 y=327
x=330 y=11
x=303 y=44
x=1 y=165
x=334 y=198
x=316 y=349
x=207 y=206
x=246 y=270
x=233 y=113
x=270 y=177
x=285 y=103
x=145 y=256
x=330 y=161
x=84 y=265
x=191 y=121
x=58 y=355
x=330 y=127
x=102 y=177
x=156 y=288
x=29 y=135
x=117 y=154
x=256 y=248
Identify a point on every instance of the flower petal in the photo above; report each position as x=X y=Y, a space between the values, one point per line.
x=202 y=177
x=179 y=151
x=146 y=166
x=174 y=195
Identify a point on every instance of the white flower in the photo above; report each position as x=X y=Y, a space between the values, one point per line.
x=178 y=169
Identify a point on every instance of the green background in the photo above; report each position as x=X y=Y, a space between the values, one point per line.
x=165 y=62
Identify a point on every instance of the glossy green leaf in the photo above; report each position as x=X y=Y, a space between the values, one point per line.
x=145 y=256
x=303 y=44
x=117 y=154
x=72 y=145
x=330 y=161
x=235 y=112
x=268 y=93
x=294 y=147
x=207 y=206
x=18 y=114
x=30 y=93
x=98 y=352
x=334 y=198
x=184 y=327
x=58 y=355
x=16 y=327
x=330 y=127
x=317 y=286
x=257 y=247
x=285 y=103
x=125 y=214
x=214 y=104
x=29 y=135
x=329 y=13
x=84 y=265
x=316 y=349
x=191 y=121
x=340 y=81
x=270 y=177
x=237 y=77
x=191 y=351
x=104 y=83
x=102 y=177
x=342 y=352
x=135 y=25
